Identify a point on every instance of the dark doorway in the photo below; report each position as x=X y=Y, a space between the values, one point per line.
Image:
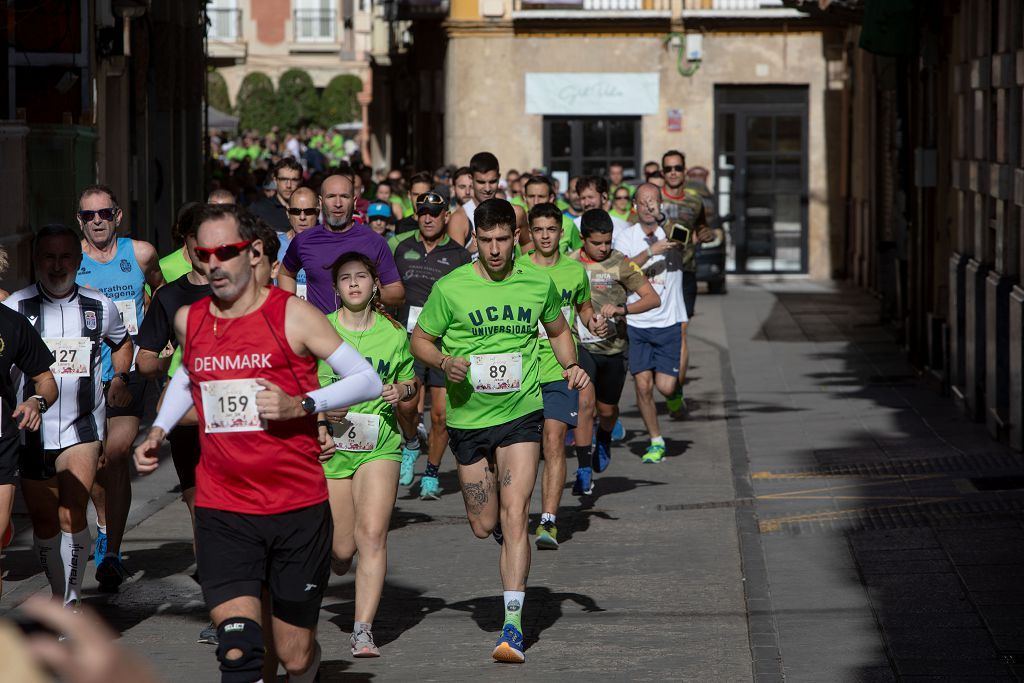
x=587 y=145
x=761 y=176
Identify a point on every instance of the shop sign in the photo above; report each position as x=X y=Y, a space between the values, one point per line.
x=592 y=93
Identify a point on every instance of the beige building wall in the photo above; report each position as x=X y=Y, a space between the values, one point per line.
x=485 y=108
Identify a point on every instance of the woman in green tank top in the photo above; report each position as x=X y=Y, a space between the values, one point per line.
x=362 y=477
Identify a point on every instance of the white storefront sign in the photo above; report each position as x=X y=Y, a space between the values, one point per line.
x=592 y=93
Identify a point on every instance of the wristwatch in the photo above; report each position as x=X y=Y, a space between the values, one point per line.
x=43 y=405
x=309 y=405
x=123 y=376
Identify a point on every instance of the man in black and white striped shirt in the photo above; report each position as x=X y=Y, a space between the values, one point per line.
x=74 y=322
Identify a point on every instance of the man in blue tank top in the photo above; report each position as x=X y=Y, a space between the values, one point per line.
x=121 y=268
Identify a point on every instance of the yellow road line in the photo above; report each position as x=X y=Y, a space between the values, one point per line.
x=776 y=524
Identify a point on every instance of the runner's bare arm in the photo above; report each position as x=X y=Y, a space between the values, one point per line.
x=177 y=401
x=525 y=238
x=121 y=359
x=423 y=349
x=393 y=294
x=149 y=261
x=28 y=410
x=150 y=364
x=309 y=333
x=564 y=346
x=598 y=326
x=458 y=226
x=649 y=299
x=286 y=280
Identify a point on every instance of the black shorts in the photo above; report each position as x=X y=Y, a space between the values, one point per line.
x=608 y=373
x=560 y=402
x=9 y=455
x=473 y=445
x=690 y=292
x=289 y=552
x=185 y=454
x=429 y=377
x=139 y=387
x=39 y=464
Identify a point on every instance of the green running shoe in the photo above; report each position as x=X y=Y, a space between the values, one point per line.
x=547 y=536
x=655 y=453
x=430 y=488
x=409 y=456
x=676 y=405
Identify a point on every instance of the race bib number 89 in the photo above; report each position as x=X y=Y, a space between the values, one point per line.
x=229 y=405
x=497 y=373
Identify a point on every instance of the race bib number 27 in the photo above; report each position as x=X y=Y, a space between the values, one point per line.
x=497 y=373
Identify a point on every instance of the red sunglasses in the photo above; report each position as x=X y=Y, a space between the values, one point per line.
x=224 y=252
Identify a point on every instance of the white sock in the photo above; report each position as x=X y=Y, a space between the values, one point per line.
x=74 y=551
x=547 y=517
x=514 y=607
x=309 y=675
x=48 y=551
x=102 y=528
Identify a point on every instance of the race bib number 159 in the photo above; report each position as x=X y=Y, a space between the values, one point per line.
x=229 y=405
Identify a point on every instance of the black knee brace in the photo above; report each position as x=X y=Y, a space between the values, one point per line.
x=239 y=633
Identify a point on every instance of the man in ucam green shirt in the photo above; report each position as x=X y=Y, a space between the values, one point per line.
x=562 y=405
x=486 y=314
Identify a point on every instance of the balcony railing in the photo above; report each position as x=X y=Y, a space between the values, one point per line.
x=581 y=8
x=225 y=23
x=738 y=8
x=315 y=26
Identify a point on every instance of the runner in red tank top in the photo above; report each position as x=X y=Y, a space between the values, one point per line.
x=262 y=518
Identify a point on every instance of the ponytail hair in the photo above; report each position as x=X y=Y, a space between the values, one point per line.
x=375 y=302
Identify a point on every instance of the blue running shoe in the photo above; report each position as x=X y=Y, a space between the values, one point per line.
x=409 y=457
x=584 y=485
x=509 y=648
x=101 y=547
x=618 y=433
x=602 y=456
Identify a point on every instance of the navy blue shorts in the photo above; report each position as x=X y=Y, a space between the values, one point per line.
x=655 y=348
x=560 y=402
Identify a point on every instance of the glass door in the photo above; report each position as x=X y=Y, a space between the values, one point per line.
x=761 y=177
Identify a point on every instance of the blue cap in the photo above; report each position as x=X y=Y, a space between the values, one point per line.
x=378 y=209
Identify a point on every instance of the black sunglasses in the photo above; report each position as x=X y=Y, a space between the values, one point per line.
x=678 y=168
x=224 y=252
x=105 y=214
x=621 y=196
x=303 y=212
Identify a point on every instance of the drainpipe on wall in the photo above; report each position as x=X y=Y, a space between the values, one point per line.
x=365 y=97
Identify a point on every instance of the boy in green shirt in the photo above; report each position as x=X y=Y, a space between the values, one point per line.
x=562 y=405
x=486 y=314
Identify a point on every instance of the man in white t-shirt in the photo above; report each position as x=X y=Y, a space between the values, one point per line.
x=654 y=336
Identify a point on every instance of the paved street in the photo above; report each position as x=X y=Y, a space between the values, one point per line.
x=824 y=516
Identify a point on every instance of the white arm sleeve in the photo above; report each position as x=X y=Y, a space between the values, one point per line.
x=358 y=381
x=177 y=401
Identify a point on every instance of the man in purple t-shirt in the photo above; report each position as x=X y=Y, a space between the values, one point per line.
x=316 y=249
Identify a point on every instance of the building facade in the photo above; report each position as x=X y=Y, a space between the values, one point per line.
x=740 y=86
x=933 y=176
x=107 y=91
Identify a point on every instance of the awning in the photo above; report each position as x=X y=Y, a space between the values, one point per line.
x=215 y=118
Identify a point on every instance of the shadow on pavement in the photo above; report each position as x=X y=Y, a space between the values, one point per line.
x=401 y=609
x=889 y=486
x=543 y=609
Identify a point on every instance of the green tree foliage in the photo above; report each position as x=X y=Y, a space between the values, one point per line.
x=297 y=100
x=338 y=102
x=217 y=91
x=257 y=107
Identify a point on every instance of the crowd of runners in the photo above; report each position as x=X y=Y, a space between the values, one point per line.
x=304 y=353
